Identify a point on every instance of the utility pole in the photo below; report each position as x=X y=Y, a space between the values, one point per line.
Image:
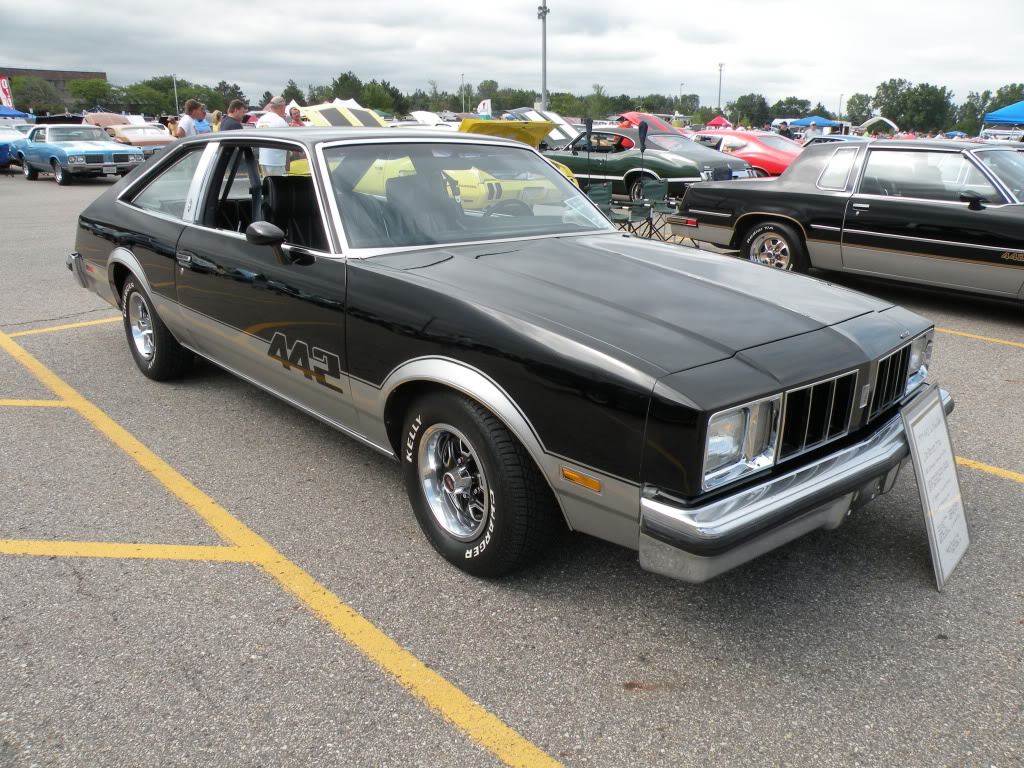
x=463 y=89
x=840 y=115
x=680 y=110
x=542 y=14
x=174 y=79
x=720 y=65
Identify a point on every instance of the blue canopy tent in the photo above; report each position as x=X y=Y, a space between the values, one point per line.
x=821 y=122
x=8 y=112
x=1011 y=115
x=955 y=134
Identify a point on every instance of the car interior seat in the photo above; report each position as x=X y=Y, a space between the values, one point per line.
x=289 y=202
x=420 y=207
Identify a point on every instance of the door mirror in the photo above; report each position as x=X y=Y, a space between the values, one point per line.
x=973 y=199
x=264 y=233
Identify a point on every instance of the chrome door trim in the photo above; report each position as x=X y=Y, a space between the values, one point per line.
x=995 y=248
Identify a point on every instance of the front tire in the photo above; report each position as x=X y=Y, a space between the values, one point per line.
x=476 y=493
x=62 y=176
x=777 y=245
x=155 y=350
x=31 y=174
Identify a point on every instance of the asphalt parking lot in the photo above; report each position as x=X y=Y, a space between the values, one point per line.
x=194 y=574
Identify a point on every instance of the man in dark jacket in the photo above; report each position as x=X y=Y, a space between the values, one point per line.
x=233 y=119
x=783 y=130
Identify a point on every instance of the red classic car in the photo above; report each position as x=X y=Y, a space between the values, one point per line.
x=657 y=125
x=769 y=153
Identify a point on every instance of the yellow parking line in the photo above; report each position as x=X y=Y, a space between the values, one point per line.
x=443 y=697
x=122 y=550
x=1007 y=474
x=66 y=327
x=982 y=338
x=37 y=403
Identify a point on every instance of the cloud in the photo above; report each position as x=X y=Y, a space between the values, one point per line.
x=817 y=52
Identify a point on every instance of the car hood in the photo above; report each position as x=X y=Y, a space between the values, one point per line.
x=88 y=146
x=668 y=307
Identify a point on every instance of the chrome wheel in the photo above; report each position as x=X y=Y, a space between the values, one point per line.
x=58 y=172
x=453 y=482
x=141 y=323
x=771 y=250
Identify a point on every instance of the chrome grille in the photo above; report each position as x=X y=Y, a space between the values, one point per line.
x=122 y=158
x=816 y=414
x=890 y=380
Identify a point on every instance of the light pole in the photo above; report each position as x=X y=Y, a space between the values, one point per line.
x=463 y=89
x=542 y=14
x=174 y=79
x=680 y=110
x=840 y=116
x=720 y=65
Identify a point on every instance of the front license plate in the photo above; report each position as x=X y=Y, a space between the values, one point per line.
x=110 y=169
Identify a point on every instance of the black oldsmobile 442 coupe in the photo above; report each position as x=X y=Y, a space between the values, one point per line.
x=529 y=365
x=941 y=213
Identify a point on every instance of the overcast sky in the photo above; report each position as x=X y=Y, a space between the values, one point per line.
x=819 y=50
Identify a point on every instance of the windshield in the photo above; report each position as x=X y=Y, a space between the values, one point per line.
x=1008 y=165
x=77 y=133
x=138 y=131
x=396 y=195
x=780 y=143
x=669 y=143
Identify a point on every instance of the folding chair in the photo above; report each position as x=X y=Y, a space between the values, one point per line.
x=655 y=195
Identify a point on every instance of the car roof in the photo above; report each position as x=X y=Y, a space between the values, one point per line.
x=313 y=136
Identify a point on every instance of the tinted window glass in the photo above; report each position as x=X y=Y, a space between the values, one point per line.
x=923 y=175
x=837 y=171
x=168 y=192
x=243 y=191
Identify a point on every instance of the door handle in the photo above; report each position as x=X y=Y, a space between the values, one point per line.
x=184 y=257
x=861 y=206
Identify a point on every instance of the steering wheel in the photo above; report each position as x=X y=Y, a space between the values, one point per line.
x=511 y=208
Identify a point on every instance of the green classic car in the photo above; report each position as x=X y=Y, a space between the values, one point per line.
x=614 y=156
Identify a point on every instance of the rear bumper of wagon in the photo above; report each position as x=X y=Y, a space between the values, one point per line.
x=698 y=543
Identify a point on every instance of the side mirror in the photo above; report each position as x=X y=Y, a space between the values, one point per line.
x=265 y=233
x=973 y=199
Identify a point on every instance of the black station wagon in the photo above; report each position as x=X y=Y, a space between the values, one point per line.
x=531 y=367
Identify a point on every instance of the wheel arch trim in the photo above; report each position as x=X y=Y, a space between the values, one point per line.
x=740 y=225
x=128 y=260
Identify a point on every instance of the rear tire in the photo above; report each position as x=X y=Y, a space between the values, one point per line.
x=30 y=173
x=477 y=495
x=154 y=348
x=777 y=245
x=62 y=177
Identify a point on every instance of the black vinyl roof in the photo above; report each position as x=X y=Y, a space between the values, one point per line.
x=313 y=136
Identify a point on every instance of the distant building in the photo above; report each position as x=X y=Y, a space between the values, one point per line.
x=58 y=78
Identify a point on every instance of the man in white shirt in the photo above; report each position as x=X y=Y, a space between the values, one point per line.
x=811 y=132
x=273 y=161
x=194 y=111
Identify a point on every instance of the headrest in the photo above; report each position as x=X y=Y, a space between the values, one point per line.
x=284 y=195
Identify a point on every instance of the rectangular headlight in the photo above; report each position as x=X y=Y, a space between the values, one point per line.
x=741 y=440
x=920 y=359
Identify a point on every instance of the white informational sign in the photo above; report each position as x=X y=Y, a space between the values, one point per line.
x=938 y=482
x=5 y=93
x=484 y=107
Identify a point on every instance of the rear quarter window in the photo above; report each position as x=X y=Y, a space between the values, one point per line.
x=837 y=172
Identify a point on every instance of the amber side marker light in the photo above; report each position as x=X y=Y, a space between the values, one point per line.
x=580 y=479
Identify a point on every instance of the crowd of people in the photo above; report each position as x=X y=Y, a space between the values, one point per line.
x=195 y=120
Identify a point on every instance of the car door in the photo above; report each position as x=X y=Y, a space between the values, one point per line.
x=588 y=165
x=35 y=151
x=906 y=221
x=272 y=314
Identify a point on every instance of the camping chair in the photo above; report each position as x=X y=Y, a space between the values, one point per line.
x=655 y=196
x=630 y=220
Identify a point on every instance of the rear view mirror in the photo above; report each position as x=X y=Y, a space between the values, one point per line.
x=973 y=199
x=264 y=233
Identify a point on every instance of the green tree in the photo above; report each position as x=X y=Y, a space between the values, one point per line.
x=347 y=86
x=891 y=100
x=821 y=110
x=419 y=100
x=35 y=94
x=141 y=98
x=622 y=103
x=658 y=103
x=687 y=104
x=790 y=108
x=469 y=92
x=858 y=108
x=376 y=96
x=229 y=93
x=971 y=113
x=436 y=101
x=399 y=101
x=1007 y=95
x=513 y=98
x=749 y=109
x=566 y=104
x=318 y=94
x=929 y=108
x=90 y=93
x=292 y=92
x=265 y=99
x=487 y=89
x=597 y=104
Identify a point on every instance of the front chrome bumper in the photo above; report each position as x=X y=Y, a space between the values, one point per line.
x=698 y=543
